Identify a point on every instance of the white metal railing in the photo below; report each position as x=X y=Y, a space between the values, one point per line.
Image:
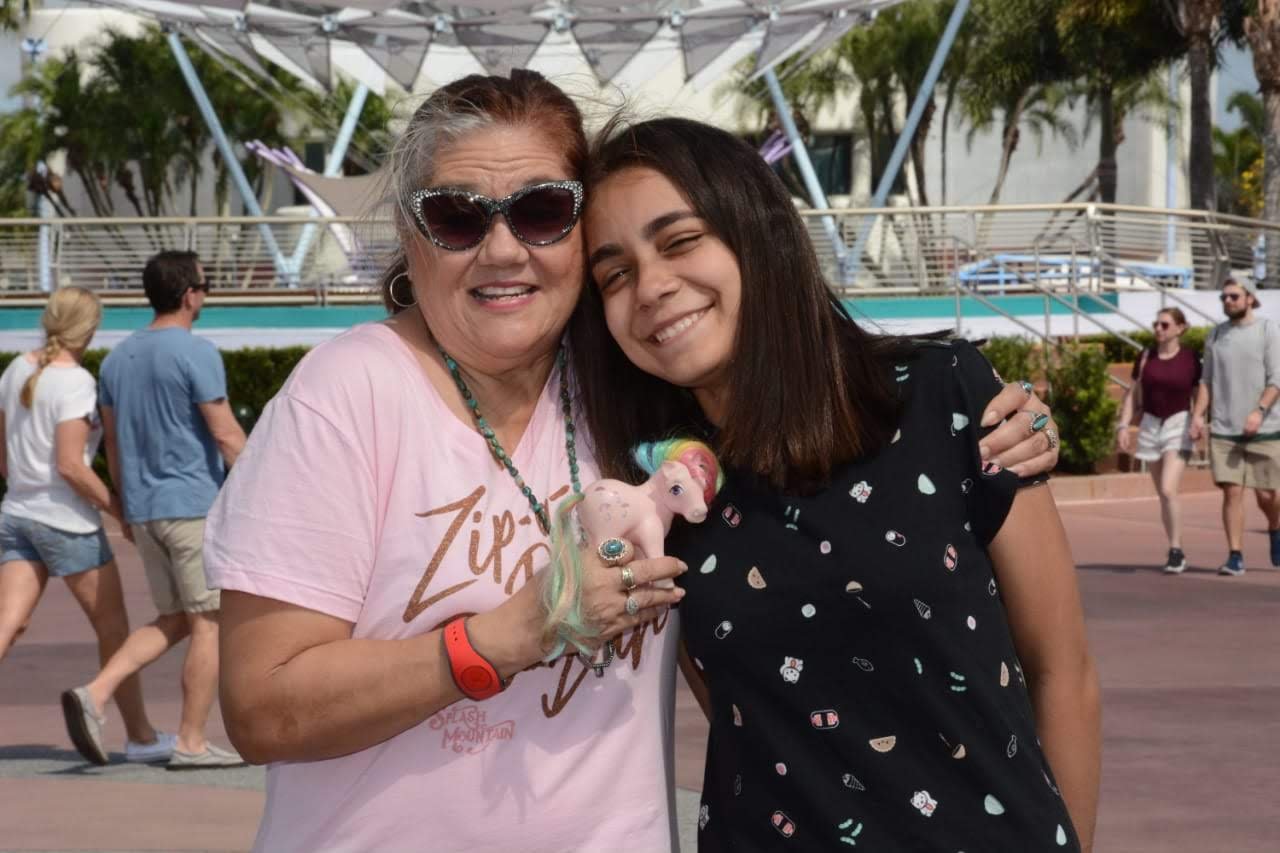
x=926 y=249
x=910 y=250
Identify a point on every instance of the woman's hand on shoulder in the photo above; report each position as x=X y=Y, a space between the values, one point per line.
x=1014 y=445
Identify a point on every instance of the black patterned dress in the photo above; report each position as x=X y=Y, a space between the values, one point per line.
x=864 y=684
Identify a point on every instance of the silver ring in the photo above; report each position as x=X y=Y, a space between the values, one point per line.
x=614 y=551
x=1039 y=420
x=628 y=579
x=1027 y=387
x=632 y=606
x=1052 y=435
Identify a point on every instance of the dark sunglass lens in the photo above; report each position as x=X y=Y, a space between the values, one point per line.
x=454 y=219
x=543 y=215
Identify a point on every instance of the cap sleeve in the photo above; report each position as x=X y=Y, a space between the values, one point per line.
x=296 y=518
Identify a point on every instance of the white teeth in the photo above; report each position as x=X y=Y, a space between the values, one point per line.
x=503 y=292
x=669 y=332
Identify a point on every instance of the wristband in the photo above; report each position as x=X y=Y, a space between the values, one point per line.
x=473 y=675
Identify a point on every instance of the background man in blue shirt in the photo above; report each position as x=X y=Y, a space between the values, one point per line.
x=170 y=436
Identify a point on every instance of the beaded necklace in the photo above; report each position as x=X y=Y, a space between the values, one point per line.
x=539 y=508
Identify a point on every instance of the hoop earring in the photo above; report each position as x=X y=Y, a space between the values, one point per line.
x=391 y=292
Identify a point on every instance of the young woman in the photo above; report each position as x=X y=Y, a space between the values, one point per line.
x=51 y=522
x=884 y=629
x=1165 y=379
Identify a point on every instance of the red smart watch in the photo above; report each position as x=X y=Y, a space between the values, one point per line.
x=474 y=675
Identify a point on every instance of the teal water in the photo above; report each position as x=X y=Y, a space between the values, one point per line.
x=344 y=316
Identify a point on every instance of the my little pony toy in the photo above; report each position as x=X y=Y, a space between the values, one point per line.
x=685 y=477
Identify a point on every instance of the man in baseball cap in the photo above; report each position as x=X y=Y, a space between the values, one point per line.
x=1242 y=380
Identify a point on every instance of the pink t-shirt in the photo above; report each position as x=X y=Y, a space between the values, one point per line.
x=362 y=496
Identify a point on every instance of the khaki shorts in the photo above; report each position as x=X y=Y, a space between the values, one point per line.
x=1255 y=464
x=171 y=550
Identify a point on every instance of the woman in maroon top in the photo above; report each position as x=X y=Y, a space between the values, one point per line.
x=1165 y=379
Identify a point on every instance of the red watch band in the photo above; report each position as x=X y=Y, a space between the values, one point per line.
x=474 y=675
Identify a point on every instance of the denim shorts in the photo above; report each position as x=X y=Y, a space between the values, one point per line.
x=62 y=553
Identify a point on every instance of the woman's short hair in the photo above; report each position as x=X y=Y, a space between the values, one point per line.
x=70 y=319
x=523 y=99
x=1175 y=313
x=832 y=402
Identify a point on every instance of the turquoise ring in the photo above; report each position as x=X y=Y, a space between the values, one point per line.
x=614 y=551
x=1039 y=420
x=1027 y=386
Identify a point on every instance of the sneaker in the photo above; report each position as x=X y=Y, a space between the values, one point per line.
x=1234 y=566
x=1275 y=546
x=157 y=752
x=1177 y=562
x=213 y=758
x=84 y=725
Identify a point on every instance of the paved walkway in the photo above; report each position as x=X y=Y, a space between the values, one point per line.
x=1189 y=666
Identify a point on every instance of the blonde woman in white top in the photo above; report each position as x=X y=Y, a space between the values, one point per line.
x=50 y=519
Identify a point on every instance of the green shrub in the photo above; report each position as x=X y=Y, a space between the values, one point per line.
x=1013 y=358
x=253 y=378
x=1119 y=351
x=1082 y=406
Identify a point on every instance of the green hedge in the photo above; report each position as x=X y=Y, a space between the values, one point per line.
x=253 y=377
x=1077 y=378
x=1118 y=351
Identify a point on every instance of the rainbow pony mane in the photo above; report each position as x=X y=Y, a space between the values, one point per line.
x=697 y=457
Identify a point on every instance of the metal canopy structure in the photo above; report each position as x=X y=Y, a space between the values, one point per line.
x=314 y=39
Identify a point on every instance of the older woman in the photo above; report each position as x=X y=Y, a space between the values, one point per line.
x=381 y=642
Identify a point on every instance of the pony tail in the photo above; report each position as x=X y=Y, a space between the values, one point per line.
x=52 y=347
x=562 y=589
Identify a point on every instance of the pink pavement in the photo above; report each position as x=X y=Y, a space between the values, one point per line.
x=1190 y=668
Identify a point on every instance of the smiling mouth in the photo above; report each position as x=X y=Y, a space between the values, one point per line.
x=680 y=326
x=502 y=293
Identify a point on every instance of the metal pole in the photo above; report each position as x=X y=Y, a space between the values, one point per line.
x=805 y=165
x=332 y=168
x=224 y=148
x=1171 y=166
x=44 y=250
x=913 y=123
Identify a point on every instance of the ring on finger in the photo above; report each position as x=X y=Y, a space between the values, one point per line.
x=1027 y=387
x=1052 y=435
x=628 y=579
x=633 y=605
x=614 y=551
x=1039 y=420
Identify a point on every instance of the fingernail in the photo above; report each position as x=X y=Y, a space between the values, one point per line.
x=680 y=592
x=985 y=451
x=684 y=567
x=990 y=418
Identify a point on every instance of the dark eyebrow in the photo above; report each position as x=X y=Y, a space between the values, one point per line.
x=610 y=250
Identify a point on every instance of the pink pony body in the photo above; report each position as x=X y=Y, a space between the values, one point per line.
x=642 y=514
x=685 y=477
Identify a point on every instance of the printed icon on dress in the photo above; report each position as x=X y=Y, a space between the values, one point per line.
x=950 y=558
x=852 y=782
x=723 y=629
x=790 y=669
x=893 y=537
x=827 y=719
x=731 y=516
x=783 y=824
x=704 y=816
x=925 y=803
x=861 y=491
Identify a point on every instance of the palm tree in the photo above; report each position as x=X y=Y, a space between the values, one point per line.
x=1197 y=20
x=1262 y=29
x=1237 y=155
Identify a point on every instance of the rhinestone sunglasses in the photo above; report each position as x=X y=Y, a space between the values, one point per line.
x=457 y=220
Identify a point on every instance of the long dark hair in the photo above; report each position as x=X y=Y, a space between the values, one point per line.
x=808 y=389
